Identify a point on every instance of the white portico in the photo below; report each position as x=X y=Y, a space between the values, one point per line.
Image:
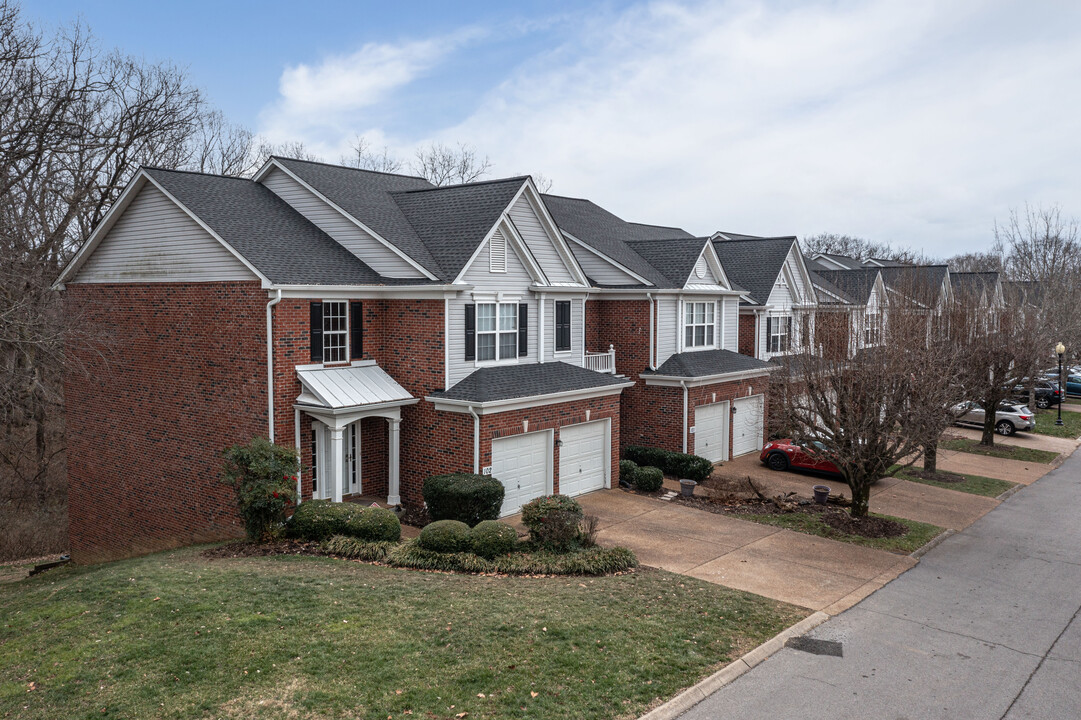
x=338 y=399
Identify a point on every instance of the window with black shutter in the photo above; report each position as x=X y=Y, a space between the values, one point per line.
x=523 y=330
x=470 y=332
x=317 y=332
x=356 y=330
x=563 y=325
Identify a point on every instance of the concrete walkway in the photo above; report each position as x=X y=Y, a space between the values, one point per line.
x=985 y=627
x=890 y=496
x=801 y=569
x=1036 y=441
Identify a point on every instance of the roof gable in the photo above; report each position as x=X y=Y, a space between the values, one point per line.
x=755 y=264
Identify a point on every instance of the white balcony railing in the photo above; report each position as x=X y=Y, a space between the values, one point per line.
x=602 y=362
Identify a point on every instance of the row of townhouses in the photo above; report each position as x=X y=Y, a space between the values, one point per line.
x=392 y=330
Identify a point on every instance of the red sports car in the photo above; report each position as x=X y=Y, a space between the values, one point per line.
x=786 y=454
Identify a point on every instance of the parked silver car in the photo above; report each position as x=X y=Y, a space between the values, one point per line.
x=1009 y=418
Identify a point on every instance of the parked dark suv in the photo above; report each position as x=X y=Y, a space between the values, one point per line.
x=1047 y=393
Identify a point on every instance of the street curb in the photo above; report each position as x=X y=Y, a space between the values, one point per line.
x=935 y=542
x=697 y=693
x=1010 y=493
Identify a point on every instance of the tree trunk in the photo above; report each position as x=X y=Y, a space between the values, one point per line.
x=988 y=438
x=861 y=498
x=930 y=456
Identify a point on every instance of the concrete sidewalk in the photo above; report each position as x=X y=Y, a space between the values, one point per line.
x=986 y=627
x=801 y=569
x=1036 y=441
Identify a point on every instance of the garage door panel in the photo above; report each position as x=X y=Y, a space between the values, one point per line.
x=747 y=425
x=711 y=431
x=522 y=464
x=583 y=457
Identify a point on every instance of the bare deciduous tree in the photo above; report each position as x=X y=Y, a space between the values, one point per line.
x=443 y=165
x=859 y=248
x=980 y=261
x=364 y=157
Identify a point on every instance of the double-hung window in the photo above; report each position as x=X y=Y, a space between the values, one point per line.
x=778 y=334
x=497 y=331
x=335 y=330
x=699 y=324
x=872 y=329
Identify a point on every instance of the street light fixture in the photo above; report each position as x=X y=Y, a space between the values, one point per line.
x=1060 y=350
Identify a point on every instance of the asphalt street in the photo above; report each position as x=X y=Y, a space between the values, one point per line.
x=986 y=626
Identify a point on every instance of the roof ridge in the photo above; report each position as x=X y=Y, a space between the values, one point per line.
x=346 y=167
x=652 y=225
x=456 y=186
x=195 y=172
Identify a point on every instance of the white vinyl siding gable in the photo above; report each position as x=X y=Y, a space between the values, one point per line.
x=574 y=355
x=542 y=246
x=154 y=240
x=350 y=236
x=515 y=278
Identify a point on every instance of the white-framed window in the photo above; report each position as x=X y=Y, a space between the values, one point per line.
x=699 y=324
x=497 y=331
x=872 y=328
x=778 y=333
x=335 y=331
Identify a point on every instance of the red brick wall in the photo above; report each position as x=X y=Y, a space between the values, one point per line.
x=183 y=376
x=547 y=417
x=832 y=333
x=746 y=335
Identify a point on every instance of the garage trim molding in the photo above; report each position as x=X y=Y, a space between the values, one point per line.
x=523 y=403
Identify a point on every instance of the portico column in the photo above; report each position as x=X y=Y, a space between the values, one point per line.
x=394 y=497
x=337 y=472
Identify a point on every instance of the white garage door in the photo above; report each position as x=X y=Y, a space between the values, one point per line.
x=584 y=457
x=747 y=425
x=711 y=431
x=523 y=463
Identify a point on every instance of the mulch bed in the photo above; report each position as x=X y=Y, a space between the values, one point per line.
x=414 y=515
x=833 y=515
x=940 y=476
x=246 y=548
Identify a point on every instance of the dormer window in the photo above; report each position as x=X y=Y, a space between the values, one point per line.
x=699 y=324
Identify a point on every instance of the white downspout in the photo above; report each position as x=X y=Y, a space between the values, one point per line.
x=270 y=363
x=584 y=349
x=652 y=333
x=476 y=440
x=683 y=384
x=296 y=440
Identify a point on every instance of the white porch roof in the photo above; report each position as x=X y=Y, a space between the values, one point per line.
x=354 y=386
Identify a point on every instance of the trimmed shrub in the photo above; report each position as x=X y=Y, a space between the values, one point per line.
x=263 y=475
x=553 y=521
x=446 y=536
x=491 y=538
x=682 y=465
x=349 y=547
x=626 y=470
x=648 y=479
x=320 y=519
x=464 y=497
x=595 y=561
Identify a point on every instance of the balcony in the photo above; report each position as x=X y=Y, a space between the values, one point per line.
x=602 y=362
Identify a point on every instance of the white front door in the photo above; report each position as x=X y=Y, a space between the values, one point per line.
x=321 y=465
x=584 y=457
x=711 y=431
x=523 y=463
x=747 y=425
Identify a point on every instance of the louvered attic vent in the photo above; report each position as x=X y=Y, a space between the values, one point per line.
x=497 y=253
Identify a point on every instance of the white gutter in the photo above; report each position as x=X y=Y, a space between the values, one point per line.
x=683 y=384
x=270 y=364
x=678 y=380
x=652 y=332
x=476 y=440
x=296 y=441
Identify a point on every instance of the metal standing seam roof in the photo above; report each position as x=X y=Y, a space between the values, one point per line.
x=754 y=263
x=350 y=386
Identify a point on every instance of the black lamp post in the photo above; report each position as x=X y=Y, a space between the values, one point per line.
x=1060 y=350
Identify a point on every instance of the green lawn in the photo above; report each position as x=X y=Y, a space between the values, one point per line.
x=1070 y=428
x=918 y=535
x=973 y=484
x=175 y=635
x=1008 y=452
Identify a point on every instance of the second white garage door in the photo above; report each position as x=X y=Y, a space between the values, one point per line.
x=523 y=463
x=584 y=457
x=747 y=425
x=711 y=431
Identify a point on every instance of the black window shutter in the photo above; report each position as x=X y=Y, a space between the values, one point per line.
x=317 y=331
x=563 y=325
x=470 y=332
x=523 y=330
x=356 y=330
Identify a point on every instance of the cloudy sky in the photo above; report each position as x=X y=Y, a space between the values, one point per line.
x=917 y=123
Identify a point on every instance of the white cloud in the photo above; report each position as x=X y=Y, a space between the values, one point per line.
x=916 y=122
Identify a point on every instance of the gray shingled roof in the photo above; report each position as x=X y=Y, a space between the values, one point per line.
x=609 y=234
x=508 y=382
x=822 y=283
x=915 y=279
x=272 y=236
x=452 y=221
x=856 y=284
x=673 y=258
x=754 y=264
x=366 y=195
x=973 y=283
x=704 y=363
x=846 y=261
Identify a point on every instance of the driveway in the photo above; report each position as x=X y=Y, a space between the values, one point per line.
x=986 y=627
x=804 y=570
